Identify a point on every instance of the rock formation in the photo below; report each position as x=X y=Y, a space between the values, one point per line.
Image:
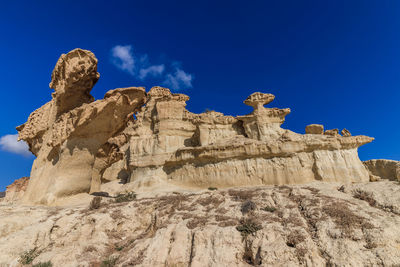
x=16 y=190
x=315 y=129
x=150 y=139
x=383 y=168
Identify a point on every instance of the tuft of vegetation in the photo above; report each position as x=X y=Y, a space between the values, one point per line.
x=28 y=256
x=294 y=238
x=110 y=262
x=212 y=188
x=269 y=209
x=95 y=203
x=125 y=197
x=366 y=196
x=43 y=264
x=248 y=226
x=248 y=206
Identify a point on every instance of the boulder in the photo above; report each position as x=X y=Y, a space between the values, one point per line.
x=315 y=129
x=332 y=132
x=345 y=132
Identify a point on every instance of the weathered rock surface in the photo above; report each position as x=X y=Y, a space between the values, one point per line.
x=332 y=132
x=386 y=169
x=16 y=190
x=84 y=146
x=315 y=129
x=316 y=224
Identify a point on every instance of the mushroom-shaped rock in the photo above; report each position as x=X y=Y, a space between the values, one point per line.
x=345 y=132
x=257 y=100
x=315 y=129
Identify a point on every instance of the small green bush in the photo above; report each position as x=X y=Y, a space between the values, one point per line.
x=43 y=264
x=28 y=256
x=212 y=188
x=110 y=262
x=125 y=197
x=248 y=226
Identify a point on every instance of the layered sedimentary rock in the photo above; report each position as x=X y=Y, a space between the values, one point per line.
x=383 y=168
x=148 y=139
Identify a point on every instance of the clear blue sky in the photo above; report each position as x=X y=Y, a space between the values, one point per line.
x=332 y=62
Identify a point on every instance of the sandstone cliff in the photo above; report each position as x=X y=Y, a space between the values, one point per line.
x=383 y=168
x=142 y=141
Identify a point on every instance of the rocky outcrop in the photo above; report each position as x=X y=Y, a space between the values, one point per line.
x=317 y=224
x=345 y=132
x=71 y=131
x=16 y=190
x=151 y=140
x=383 y=168
x=315 y=129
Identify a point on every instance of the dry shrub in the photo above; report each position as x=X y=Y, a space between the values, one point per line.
x=95 y=203
x=248 y=206
x=125 y=197
x=366 y=196
x=90 y=249
x=248 y=226
x=28 y=256
x=345 y=219
x=269 y=209
x=294 y=238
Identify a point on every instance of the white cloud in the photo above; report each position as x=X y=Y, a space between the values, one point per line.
x=155 y=70
x=138 y=65
x=123 y=57
x=179 y=80
x=11 y=144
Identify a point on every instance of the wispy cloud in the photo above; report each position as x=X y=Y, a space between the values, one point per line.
x=11 y=144
x=123 y=58
x=179 y=79
x=138 y=65
x=155 y=70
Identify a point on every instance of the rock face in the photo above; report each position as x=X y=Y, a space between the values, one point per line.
x=16 y=190
x=84 y=146
x=386 y=169
x=71 y=132
x=318 y=224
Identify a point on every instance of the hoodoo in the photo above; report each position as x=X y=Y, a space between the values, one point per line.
x=83 y=145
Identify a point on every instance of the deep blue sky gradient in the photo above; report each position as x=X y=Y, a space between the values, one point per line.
x=332 y=62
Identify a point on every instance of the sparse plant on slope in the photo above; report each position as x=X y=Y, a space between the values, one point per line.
x=28 y=256
x=95 y=203
x=248 y=226
x=125 y=197
x=248 y=206
x=110 y=262
x=269 y=209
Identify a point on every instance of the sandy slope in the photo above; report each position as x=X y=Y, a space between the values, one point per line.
x=316 y=224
